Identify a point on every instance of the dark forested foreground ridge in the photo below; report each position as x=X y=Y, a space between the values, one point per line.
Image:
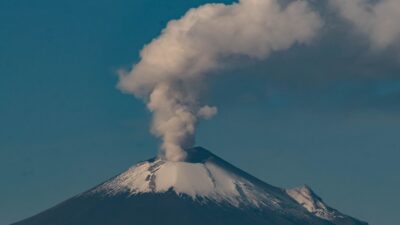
x=204 y=190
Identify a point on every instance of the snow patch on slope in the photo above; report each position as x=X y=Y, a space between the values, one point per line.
x=206 y=181
x=314 y=204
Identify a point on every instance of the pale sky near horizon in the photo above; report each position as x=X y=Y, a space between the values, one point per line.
x=326 y=115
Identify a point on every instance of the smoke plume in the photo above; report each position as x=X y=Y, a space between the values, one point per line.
x=379 y=21
x=170 y=75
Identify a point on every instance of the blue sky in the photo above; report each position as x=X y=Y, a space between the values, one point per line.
x=326 y=114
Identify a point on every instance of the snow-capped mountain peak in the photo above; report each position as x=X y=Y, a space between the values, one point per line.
x=202 y=177
x=204 y=189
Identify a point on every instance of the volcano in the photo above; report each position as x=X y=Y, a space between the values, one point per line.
x=203 y=190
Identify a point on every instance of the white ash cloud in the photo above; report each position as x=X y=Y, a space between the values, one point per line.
x=378 y=20
x=171 y=73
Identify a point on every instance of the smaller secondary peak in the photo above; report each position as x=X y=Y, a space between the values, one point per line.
x=305 y=187
x=307 y=198
x=306 y=191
